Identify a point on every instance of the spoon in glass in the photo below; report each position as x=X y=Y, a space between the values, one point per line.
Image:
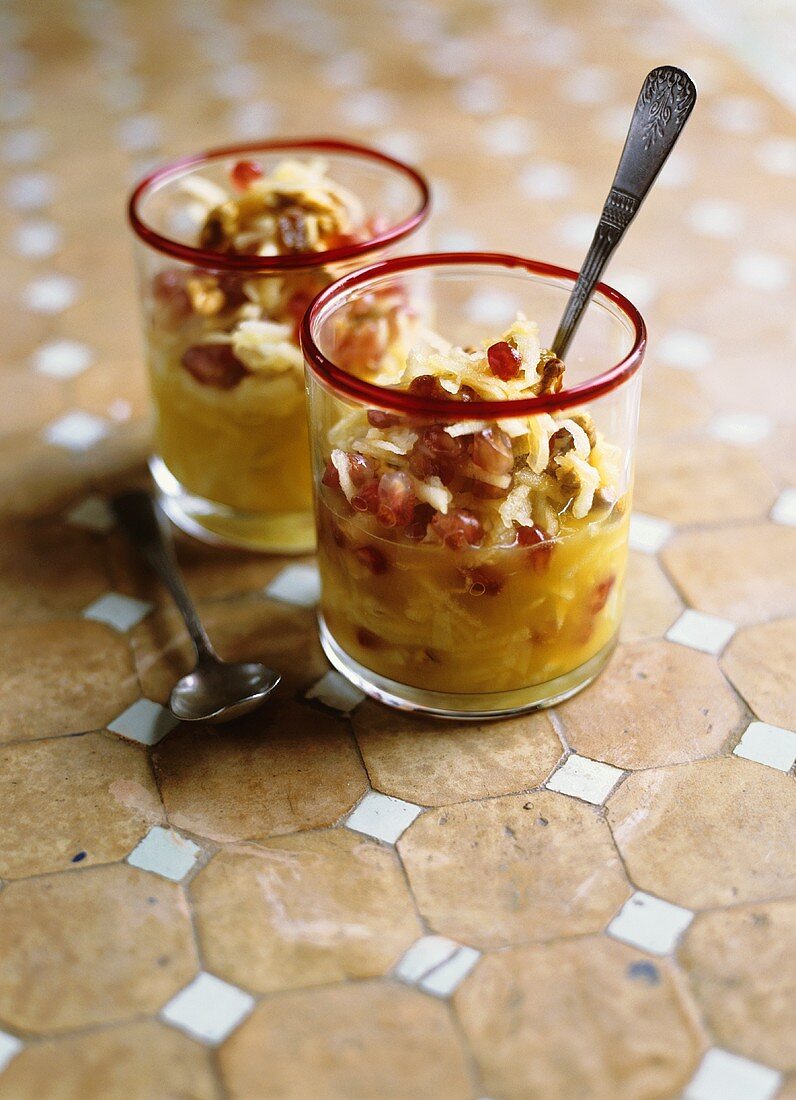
x=215 y=691
x=662 y=109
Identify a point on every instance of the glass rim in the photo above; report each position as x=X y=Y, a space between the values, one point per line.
x=383 y=397
x=203 y=257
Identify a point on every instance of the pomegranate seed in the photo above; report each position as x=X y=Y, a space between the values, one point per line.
x=367 y=499
x=483 y=581
x=368 y=639
x=428 y=386
x=396 y=499
x=360 y=468
x=492 y=451
x=422 y=516
x=458 y=529
x=466 y=393
x=379 y=419
x=331 y=476
x=600 y=594
x=530 y=536
x=483 y=491
x=244 y=173
x=170 y=296
x=504 y=360
x=436 y=454
x=541 y=548
x=338 y=537
x=214 y=365
x=373 y=559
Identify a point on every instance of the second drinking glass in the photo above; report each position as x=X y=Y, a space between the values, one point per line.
x=232 y=245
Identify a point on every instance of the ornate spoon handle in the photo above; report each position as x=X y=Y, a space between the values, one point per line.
x=662 y=109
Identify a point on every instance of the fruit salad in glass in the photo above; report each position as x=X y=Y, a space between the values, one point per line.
x=233 y=245
x=472 y=490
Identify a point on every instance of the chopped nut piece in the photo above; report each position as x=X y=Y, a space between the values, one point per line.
x=551 y=376
x=206 y=296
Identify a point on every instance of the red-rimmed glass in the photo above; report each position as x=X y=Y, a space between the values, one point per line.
x=231 y=448
x=513 y=619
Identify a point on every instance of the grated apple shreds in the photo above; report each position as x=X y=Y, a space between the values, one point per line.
x=562 y=466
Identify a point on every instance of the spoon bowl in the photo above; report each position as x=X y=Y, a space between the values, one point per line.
x=219 y=692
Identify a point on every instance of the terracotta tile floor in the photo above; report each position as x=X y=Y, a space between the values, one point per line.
x=593 y=904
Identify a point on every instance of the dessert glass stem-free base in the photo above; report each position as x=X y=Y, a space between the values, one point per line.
x=462 y=706
x=280 y=533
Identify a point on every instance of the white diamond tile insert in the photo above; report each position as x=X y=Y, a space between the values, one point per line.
x=121 y=612
x=457 y=240
x=51 y=293
x=677 y=171
x=777 y=155
x=23 y=146
x=437 y=965
x=766 y=744
x=784 y=510
x=738 y=114
x=761 y=271
x=140 y=133
x=725 y=1076
x=587 y=85
x=639 y=286
x=402 y=144
x=368 y=108
x=76 y=431
x=576 y=230
x=36 y=239
x=347 y=70
x=650 y=923
x=684 y=350
x=165 y=853
x=491 y=307
x=698 y=630
x=30 y=191
x=716 y=218
x=380 y=816
x=741 y=428
x=256 y=119
x=648 y=534
x=442 y=981
x=208 y=1009
x=583 y=778
x=145 y=722
x=10 y=1046
x=509 y=136
x=546 y=180
x=480 y=95
x=62 y=358
x=335 y=692
x=93 y=513
x=296 y=584
x=239 y=81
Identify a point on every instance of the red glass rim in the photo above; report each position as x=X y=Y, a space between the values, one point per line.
x=202 y=257
x=402 y=401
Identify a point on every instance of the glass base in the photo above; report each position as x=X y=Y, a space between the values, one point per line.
x=476 y=706
x=285 y=533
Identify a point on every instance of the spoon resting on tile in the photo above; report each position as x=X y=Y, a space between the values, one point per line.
x=215 y=691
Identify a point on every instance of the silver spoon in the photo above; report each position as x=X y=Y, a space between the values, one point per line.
x=215 y=691
x=662 y=109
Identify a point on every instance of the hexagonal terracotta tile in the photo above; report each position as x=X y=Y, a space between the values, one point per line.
x=62 y=677
x=760 y=662
x=744 y=574
x=285 y=768
x=282 y=637
x=680 y=483
x=588 y=1018
x=740 y=963
x=113 y=941
x=347 y=1042
x=656 y=703
x=48 y=567
x=513 y=870
x=132 y=1060
x=411 y=758
x=73 y=801
x=716 y=832
x=308 y=909
x=651 y=604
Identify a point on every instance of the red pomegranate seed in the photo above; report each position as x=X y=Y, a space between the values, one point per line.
x=600 y=594
x=368 y=639
x=428 y=386
x=466 y=393
x=367 y=498
x=338 y=536
x=483 y=581
x=530 y=536
x=540 y=547
x=396 y=497
x=436 y=454
x=244 y=173
x=331 y=476
x=379 y=419
x=360 y=468
x=421 y=517
x=484 y=491
x=504 y=360
x=214 y=365
x=458 y=529
x=492 y=451
x=170 y=296
x=373 y=559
